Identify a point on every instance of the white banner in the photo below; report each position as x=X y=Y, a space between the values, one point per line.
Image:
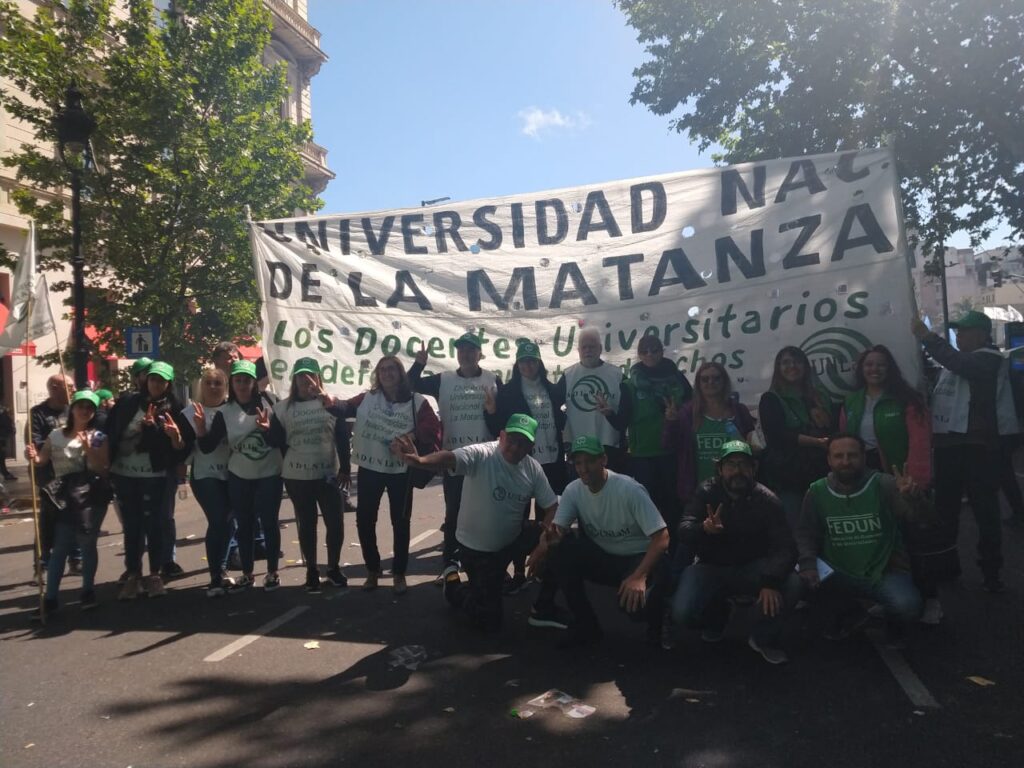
x=726 y=264
x=30 y=295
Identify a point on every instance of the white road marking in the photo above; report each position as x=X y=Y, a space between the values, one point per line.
x=423 y=537
x=232 y=648
x=910 y=683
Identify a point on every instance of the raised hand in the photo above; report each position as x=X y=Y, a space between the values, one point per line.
x=170 y=428
x=199 y=420
x=713 y=522
x=601 y=401
x=263 y=418
x=150 y=418
x=421 y=355
x=904 y=482
x=918 y=328
x=671 y=409
x=404 y=448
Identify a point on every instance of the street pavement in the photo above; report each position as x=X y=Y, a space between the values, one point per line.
x=399 y=680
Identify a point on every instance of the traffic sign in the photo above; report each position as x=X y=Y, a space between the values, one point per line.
x=142 y=341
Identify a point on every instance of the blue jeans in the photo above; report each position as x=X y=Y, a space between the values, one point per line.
x=700 y=600
x=66 y=541
x=212 y=495
x=895 y=592
x=372 y=486
x=143 y=505
x=170 y=530
x=251 y=500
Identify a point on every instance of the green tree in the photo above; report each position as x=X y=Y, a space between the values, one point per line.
x=189 y=133
x=944 y=81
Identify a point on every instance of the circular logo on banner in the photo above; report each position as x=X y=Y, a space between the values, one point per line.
x=833 y=352
x=584 y=394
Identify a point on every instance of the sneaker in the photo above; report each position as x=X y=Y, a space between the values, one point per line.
x=400 y=586
x=769 y=653
x=172 y=571
x=123 y=577
x=932 y=613
x=443 y=575
x=271 y=582
x=244 y=582
x=87 y=602
x=549 y=616
x=130 y=587
x=74 y=567
x=227 y=582
x=514 y=584
x=337 y=578
x=216 y=589
x=313 y=582
x=370 y=584
x=451 y=582
x=154 y=585
x=712 y=635
x=49 y=606
x=994 y=585
x=348 y=506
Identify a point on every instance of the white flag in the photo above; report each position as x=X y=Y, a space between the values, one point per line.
x=29 y=289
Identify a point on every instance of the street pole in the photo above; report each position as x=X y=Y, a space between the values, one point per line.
x=945 y=293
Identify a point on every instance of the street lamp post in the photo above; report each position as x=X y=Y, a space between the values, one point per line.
x=74 y=127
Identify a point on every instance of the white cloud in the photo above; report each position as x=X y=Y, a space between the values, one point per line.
x=537 y=121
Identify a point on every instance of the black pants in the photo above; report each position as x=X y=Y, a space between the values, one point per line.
x=306 y=496
x=973 y=469
x=555 y=473
x=577 y=560
x=372 y=485
x=481 y=596
x=1008 y=445
x=452 y=485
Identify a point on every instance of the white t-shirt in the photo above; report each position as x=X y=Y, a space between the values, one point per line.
x=67 y=454
x=867 y=423
x=495 y=494
x=582 y=386
x=378 y=422
x=460 y=402
x=213 y=465
x=251 y=457
x=620 y=518
x=546 y=449
x=311 y=453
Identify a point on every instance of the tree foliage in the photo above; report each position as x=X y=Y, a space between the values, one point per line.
x=189 y=133
x=942 y=79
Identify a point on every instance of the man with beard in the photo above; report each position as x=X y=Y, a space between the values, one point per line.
x=850 y=520
x=733 y=542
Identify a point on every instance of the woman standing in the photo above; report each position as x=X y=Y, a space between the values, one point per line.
x=529 y=391
x=892 y=419
x=796 y=417
x=210 y=478
x=254 y=469
x=80 y=458
x=313 y=441
x=146 y=432
x=697 y=431
x=389 y=410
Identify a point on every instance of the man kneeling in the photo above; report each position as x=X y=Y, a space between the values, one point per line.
x=501 y=478
x=734 y=541
x=622 y=543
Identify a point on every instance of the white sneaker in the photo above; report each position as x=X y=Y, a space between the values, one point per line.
x=932 y=613
x=154 y=585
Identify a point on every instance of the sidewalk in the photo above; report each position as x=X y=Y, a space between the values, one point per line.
x=17 y=496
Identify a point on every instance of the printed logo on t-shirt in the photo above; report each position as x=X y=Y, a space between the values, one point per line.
x=501 y=494
x=584 y=395
x=253 y=446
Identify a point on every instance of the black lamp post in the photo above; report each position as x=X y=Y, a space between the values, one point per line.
x=74 y=126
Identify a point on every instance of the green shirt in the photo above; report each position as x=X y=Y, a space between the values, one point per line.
x=710 y=437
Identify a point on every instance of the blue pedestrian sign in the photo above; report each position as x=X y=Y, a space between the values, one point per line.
x=142 y=341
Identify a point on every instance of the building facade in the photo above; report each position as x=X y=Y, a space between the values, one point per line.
x=293 y=41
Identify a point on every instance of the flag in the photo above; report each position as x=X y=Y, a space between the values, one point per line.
x=29 y=289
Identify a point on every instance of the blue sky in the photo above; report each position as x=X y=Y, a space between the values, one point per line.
x=424 y=99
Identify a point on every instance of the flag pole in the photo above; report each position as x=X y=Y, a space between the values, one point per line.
x=32 y=475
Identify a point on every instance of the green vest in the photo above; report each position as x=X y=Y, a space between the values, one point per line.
x=890 y=426
x=859 y=532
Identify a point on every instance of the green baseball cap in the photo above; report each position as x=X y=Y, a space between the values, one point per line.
x=88 y=396
x=104 y=394
x=523 y=424
x=469 y=338
x=734 y=446
x=164 y=370
x=243 y=368
x=973 y=319
x=140 y=365
x=527 y=350
x=306 y=365
x=587 y=444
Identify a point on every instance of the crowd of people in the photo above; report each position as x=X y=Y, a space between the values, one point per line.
x=672 y=494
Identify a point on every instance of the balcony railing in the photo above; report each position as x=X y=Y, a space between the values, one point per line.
x=284 y=9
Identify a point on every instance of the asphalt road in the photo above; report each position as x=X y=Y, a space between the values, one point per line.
x=189 y=681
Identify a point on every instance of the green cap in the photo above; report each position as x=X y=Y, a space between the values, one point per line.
x=973 y=319
x=243 y=368
x=88 y=395
x=469 y=338
x=523 y=424
x=306 y=365
x=140 y=365
x=161 y=369
x=527 y=350
x=104 y=394
x=587 y=444
x=734 y=446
